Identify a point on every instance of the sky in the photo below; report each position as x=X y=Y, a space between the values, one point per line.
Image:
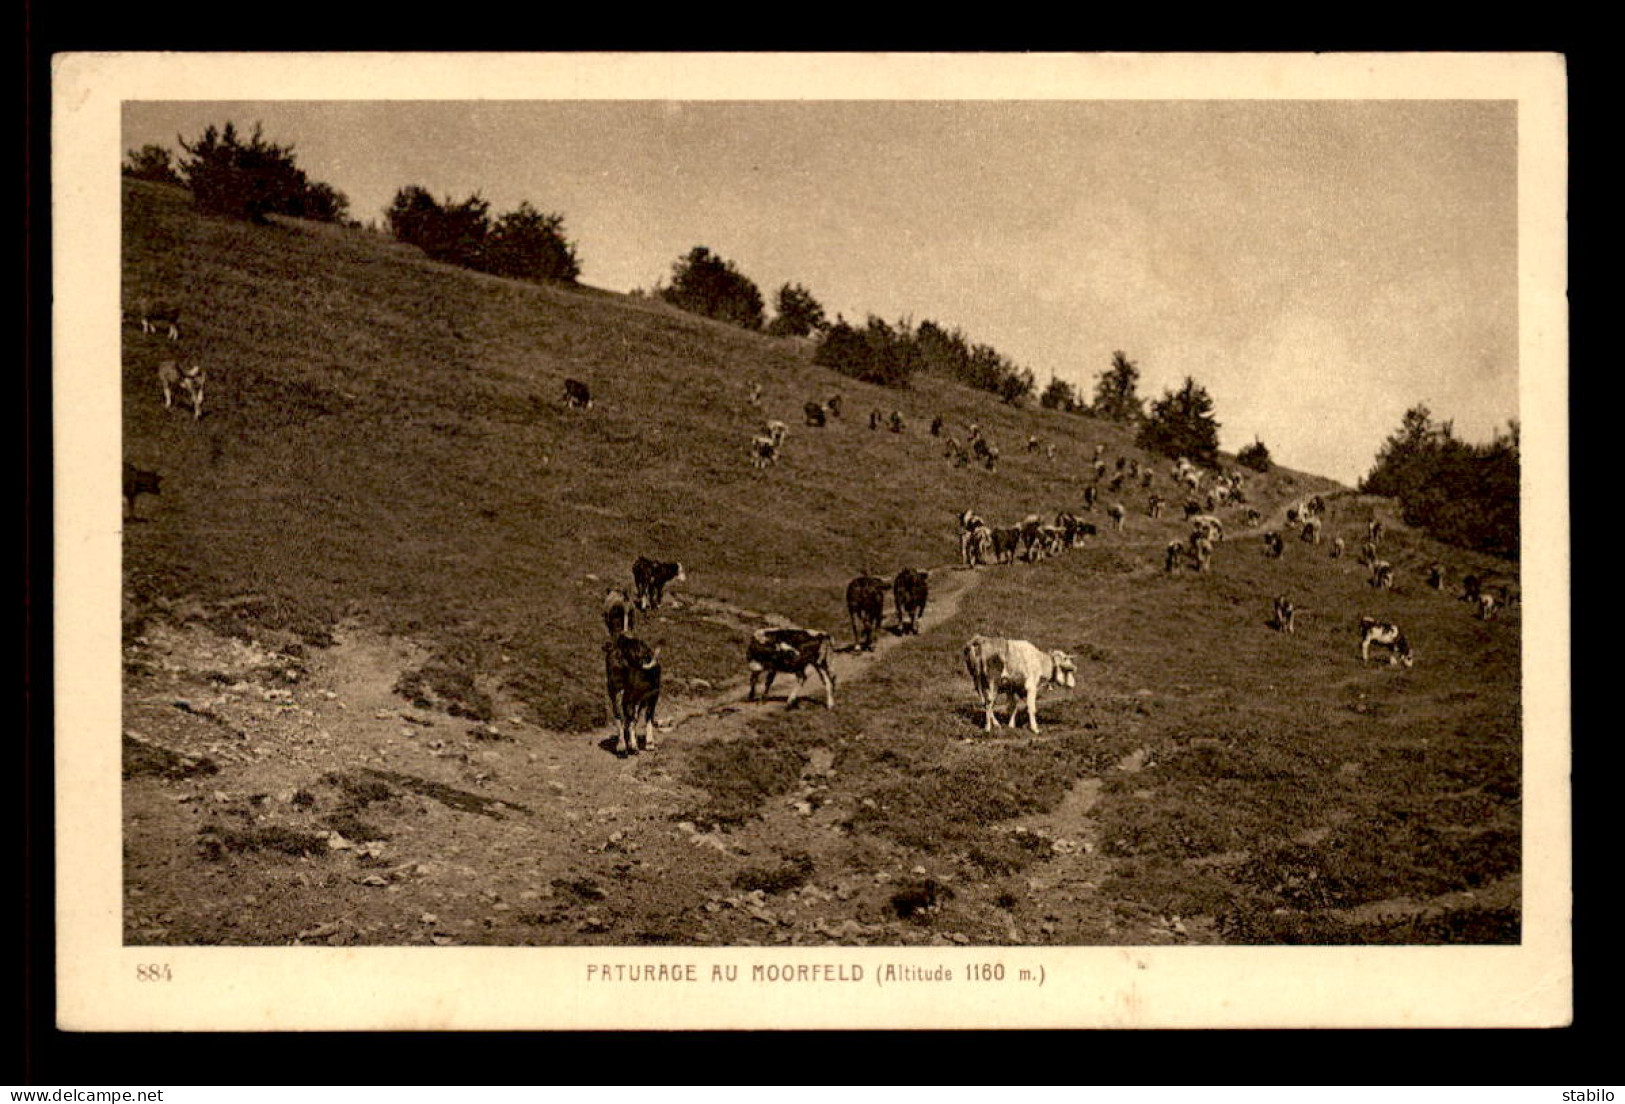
x=1318 y=266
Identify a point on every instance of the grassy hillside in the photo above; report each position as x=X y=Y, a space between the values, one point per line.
x=384 y=453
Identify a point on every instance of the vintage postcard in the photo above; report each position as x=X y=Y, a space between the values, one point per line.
x=811 y=541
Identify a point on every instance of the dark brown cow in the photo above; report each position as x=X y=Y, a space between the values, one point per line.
x=138 y=481
x=909 y=592
x=866 y=606
x=577 y=395
x=632 y=679
x=814 y=413
x=651 y=579
x=791 y=652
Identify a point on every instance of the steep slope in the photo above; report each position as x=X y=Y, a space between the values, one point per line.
x=387 y=514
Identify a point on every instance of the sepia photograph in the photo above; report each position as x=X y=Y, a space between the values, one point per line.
x=812 y=541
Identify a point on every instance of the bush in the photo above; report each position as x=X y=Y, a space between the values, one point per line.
x=253 y=178
x=151 y=162
x=799 y=314
x=1460 y=493
x=1181 y=423
x=1116 y=391
x=1255 y=456
x=703 y=283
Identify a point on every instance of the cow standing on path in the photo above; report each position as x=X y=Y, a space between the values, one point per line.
x=650 y=580
x=909 y=592
x=866 y=606
x=790 y=651
x=632 y=679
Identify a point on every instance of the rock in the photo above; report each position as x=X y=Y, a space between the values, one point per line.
x=375 y=880
x=428 y=918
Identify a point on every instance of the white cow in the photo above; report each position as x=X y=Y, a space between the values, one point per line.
x=1015 y=668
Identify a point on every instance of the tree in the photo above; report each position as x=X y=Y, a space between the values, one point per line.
x=252 y=178
x=1255 y=456
x=1460 y=493
x=530 y=245
x=151 y=162
x=1116 y=397
x=706 y=284
x=1059 y=395
x=1181 y=423
x=844 y=349
x=798 y=313
x=452 y=232
x=1016 y=384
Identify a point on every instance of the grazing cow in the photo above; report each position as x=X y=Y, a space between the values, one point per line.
x=1006 y=543
x=756 y=394
x=1100 y=470
x=909 y=592
x=160 y=317
x=980 y=550
x=1090 y=497
x=188 y=377
x=969 y=522
x=814 y=413
x=1116 y=485
x=1315 y=507
x=834 y=406
x=1274 y=545
x=1033 y=444
x=1117 y=514
x=1285 y=615
x=632 y=679
x=138 y=481
x=1210 y=525
x=576 y=395
x=895 y=422
x=1471 y=587
x=1292 y=515
x=1436 y=575
x=1173 y=555
x=1201 y=550
x=1017 y=669
x=1373 y=531
x=763 y=451
x=1153 y=507
x=936 y=426
x=1253 y=518
x=1368 y=553
x=1311 y=531
x=956 y=452
x=776 y=431
x=790 y=652
x=1382 y=575
x=988 y=454
x=651 y=579
x=619 y=612
x=1192 y=508
x=1385 y=635
x=866 y=606
x=1486 y=606
x=1337 y=548
x=1071 y=529
x=1030 y=533
x=1146 y=478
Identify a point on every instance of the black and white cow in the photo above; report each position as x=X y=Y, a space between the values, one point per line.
x=1285 y=614
x=619 y=612
x=776 y=652
x=577 y=395
x=650 y=580
x=1385 y=635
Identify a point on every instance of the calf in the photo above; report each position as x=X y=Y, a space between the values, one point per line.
x=866 y=606
x=1384 y=635
x=650 y=579
x=632 y=679
x=763 y=451
x=1285 y=614
x=1173 y=555
x=619 y=614
x=167 y=319
x=138 y=481
x=791 y=652
x=1382 y=575
x=909 y=592
x=1006 y=542
x=1017 y=669
x=188 y=377
x=576 y=395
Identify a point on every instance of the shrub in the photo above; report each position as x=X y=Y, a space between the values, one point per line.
x=1255 y=456
x=704 y=283
x=253 y=178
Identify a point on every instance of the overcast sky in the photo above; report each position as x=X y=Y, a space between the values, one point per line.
x=1318 y=266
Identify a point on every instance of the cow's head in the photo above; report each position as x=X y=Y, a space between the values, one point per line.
x=1065 y=669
